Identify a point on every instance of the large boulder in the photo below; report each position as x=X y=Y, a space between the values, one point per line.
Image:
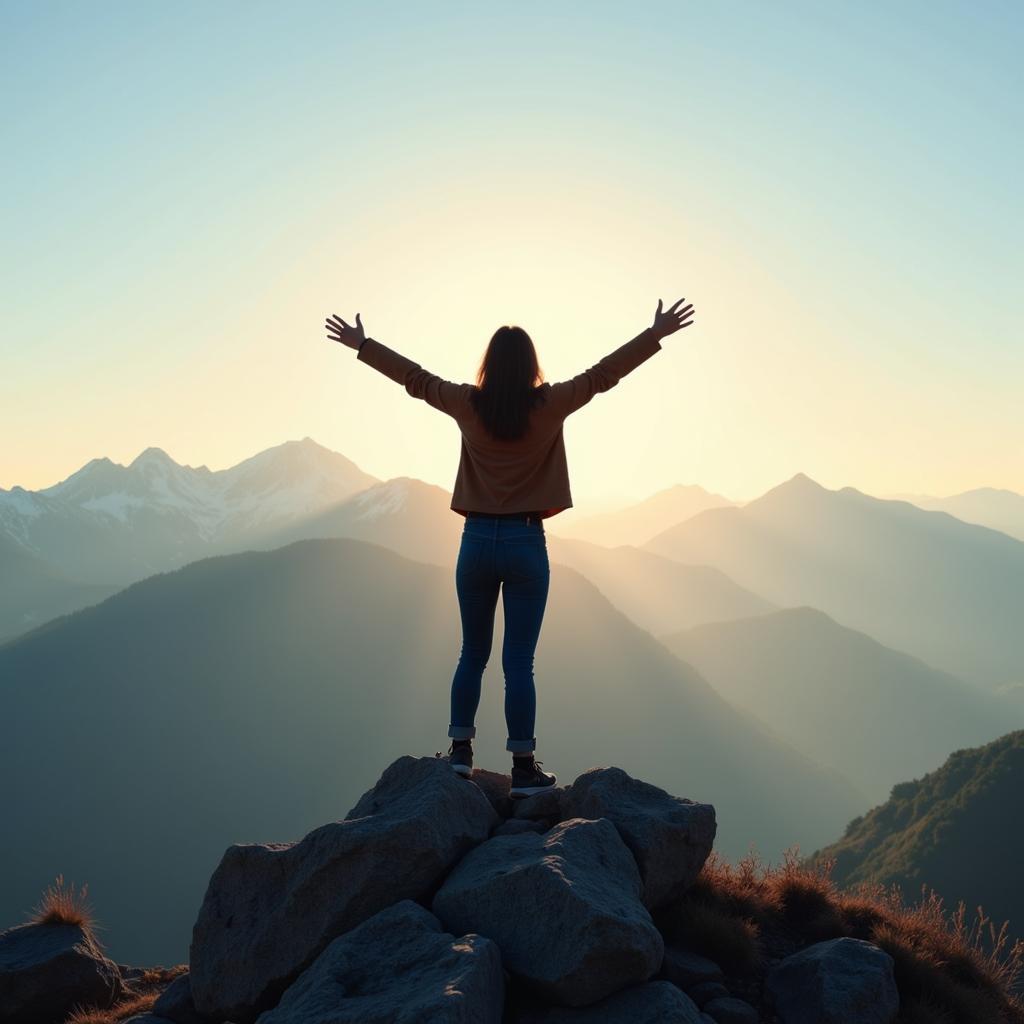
x=835 y=982
x=47 y=969
x=564 y=906
x=654 y=1002
x=670 y=836
x=271 y=909
x=175 y=1002
x=495 y=786
x=685 y=968
x=398 y=966
x=541 y=806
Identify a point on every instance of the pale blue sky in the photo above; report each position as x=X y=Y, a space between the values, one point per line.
x=189 y=188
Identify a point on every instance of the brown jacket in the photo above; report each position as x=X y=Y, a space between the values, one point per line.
x=526 y=475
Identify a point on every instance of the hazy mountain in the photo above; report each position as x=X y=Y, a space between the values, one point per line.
x=923 y=582
x=873 y=713
x=638 y=523
x=993 y=507
x=657 y=593
x=34 y=592
x=957 y=829
x=251 y=697
x=415 y=519
x=110 y=525
x=406 y=515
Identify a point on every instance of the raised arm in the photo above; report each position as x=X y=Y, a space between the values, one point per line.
x=443 y=395
x=570 y=395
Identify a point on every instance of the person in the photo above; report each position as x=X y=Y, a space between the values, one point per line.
x=512 y=476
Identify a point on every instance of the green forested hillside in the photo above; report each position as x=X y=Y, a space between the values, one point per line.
x=958 y=829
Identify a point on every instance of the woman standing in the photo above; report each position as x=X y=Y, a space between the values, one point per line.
x=512 y=476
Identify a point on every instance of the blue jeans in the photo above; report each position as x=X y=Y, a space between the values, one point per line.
x=510 y=554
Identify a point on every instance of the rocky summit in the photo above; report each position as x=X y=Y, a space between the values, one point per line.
x=440 y=899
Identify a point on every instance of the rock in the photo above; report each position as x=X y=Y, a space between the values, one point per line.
x=687 y=969
x=729 y=1010
x=546 y=805
x=129 y=973
x=704 y=991
x=175 y=1002
x=515 y=826
x=654 y=1002
x=670 y=837
x=835 y=982
x=495 y=787
x=48 y=969
x=271 y=909
x=397 y=966
x=563 y=906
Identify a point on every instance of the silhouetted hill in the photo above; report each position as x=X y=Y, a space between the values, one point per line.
x=994 y=507
x=873 y=713
x=657 y=593
x=636 y=524
x=957 y=829
x=255 y=696
x=32 y=591
x=923 y=582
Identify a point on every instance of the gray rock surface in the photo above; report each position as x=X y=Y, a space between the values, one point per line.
x=516 y=826
x=654 y=1002
x=704 y=991
x=271 y=909
x=563 y=907
x=730 y=1010
x=495 y=787
x=47 y=969
x=397 y=966
x=546 y=805
x=840 y=981
x=670 y=837
x=687 y=969
x=175 y=1002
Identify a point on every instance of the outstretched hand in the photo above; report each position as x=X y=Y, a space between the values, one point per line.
x=672 y=319
x=338 y=330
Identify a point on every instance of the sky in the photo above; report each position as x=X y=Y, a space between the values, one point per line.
x=190 y=189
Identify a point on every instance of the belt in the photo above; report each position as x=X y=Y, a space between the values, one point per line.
x=526 y=516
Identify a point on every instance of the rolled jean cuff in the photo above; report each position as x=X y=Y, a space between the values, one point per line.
x=462 y=732
x=522 y=746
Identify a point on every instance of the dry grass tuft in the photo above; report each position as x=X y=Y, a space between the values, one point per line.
x=63 y=905
x=154 y=979
x=948 y=970
x=121 y=1011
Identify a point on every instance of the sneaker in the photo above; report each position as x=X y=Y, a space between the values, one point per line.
x=459 y=757
x=527 y=781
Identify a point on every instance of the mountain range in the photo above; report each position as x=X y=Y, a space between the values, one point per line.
x=948 y=592
x=870 y=712
x=995 y=507
x=108 y=525
x=252 y=696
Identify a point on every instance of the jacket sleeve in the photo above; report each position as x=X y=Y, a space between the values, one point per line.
x=568 y=396
x=444 y=395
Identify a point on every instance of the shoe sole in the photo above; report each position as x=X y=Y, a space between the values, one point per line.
x=530 y=790
x=462 y=769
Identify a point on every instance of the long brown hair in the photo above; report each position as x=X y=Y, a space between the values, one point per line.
x=507 y=383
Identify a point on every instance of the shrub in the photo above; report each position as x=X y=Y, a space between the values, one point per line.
x=948 y=970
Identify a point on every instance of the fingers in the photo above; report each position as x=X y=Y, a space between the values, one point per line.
x=657 y=312
x=671 y=308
